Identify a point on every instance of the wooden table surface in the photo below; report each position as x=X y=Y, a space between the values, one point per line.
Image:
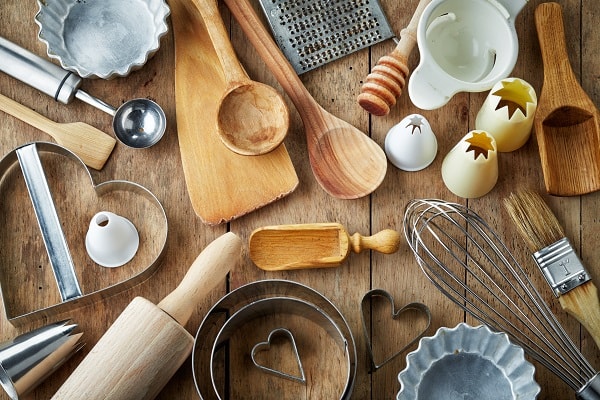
x=335 y=86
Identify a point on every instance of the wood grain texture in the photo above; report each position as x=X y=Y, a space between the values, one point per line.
x=222 y=185
x=334 y=86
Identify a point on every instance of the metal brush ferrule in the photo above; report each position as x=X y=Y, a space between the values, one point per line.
x=561 y=267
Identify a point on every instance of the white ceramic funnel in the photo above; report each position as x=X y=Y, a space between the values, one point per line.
x=470 y=169
x=465 y=46
x=111 y=240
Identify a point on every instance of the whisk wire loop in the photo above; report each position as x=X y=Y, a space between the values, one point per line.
x=470 y=264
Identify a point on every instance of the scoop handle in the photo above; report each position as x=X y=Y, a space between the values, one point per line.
x=387 y=242
x=37 y=72
x=551 y=35
x=205 y=273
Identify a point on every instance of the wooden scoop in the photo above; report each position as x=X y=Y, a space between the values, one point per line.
x=566 y=122
x=300 y=246
x=90 y=144
x=253 y=118
x=346 y=162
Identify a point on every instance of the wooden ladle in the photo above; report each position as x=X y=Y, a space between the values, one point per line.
x=345 y=162
x=253 y=118
x=566 y=121
x=319 y=245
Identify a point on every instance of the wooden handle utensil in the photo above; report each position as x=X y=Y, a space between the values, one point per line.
x=388 y=77
x=90 y=144
x=300 y=246
x=567 y=123
x=147 y=344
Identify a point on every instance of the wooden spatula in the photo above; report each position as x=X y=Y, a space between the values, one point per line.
x=320 y=245
x=566 y=122
x=90 y=144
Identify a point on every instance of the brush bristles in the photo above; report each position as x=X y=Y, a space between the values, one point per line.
x=536 y=223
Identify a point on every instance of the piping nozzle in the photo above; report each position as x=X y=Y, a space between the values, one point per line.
x=28 y=359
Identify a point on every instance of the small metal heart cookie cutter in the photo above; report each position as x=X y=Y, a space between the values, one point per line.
x=61 y=261
x=260 y=299
x=263 y=346
x=395 y=314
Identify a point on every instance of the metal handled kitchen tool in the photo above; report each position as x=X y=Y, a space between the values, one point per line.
x=148 y=343
x=346 y=163
x=91 y=145
x=388 y=77
x=256 y=310
x=137 y=123
x=553 y=253
x=468 y=262
x=567 y=122
x=52 y=233
x=311 y=34
x=31 y=357
x=17 y=300
x=319 y=245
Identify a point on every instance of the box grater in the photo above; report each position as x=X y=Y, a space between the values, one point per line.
x=311 y=33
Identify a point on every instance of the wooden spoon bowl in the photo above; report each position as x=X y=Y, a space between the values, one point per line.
x=346 y=163
x=253 y=118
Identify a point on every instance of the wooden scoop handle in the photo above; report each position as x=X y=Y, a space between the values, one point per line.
x=388 y=77
x=387 y=242
x=209 y=268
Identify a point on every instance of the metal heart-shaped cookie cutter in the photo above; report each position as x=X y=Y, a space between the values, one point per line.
x=259 y=299
x=27 y=156
x=395 y=314
x=265 y=346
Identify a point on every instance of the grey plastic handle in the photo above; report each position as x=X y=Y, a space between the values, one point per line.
x=37 y=72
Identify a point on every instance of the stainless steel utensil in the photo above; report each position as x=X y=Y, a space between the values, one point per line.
x=138 y=123
x=311 y=34
x=468 y=262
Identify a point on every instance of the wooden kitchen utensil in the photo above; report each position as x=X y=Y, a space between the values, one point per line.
x=253 y=118
x=567 y=121
x=388 y=77
x=222 y=185
x=345 y=162
x=90 y=144
x=320 y=245
x=556 y=258
x=147 y=344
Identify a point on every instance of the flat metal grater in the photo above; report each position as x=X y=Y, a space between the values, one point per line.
x=311 y=33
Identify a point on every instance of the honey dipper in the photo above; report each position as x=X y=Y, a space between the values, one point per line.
x=388 y=77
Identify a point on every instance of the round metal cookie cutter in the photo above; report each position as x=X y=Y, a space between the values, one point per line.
x=255 y=300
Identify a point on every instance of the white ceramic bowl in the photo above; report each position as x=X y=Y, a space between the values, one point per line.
x=102 y=39
x=467 y=363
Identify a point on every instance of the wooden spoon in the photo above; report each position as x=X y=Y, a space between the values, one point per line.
x=300 y=246
x=345 y=161
x=90 y=144
x=566 y=122
x=253 y=118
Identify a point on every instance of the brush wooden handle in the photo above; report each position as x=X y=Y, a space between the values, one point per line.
x=583 y=304
x=388 y=77
x=386 y=241
x=147 y=344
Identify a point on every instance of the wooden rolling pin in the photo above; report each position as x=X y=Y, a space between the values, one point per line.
x=388 y=77
x=147 y=344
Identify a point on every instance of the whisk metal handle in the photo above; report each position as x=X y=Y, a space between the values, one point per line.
x=591 y=390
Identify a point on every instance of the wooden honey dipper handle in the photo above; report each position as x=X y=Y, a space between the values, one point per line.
x=387 y=242
x=388 y=77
